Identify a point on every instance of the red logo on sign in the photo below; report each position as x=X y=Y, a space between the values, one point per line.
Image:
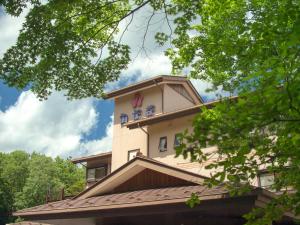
x=137 y=100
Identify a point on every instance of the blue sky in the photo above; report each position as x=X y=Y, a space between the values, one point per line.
x=73 y=128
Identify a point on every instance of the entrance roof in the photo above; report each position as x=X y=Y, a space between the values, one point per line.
x=125 y=200
x=153 y=181
x=133 y=168
x=150 y=201
x=112 y=195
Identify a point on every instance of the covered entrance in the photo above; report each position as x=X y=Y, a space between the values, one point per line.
x=147 y=192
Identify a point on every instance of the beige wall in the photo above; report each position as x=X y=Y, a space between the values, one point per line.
x=169 y=129
x=174 y=101
x=152 y=96
x=124 y=139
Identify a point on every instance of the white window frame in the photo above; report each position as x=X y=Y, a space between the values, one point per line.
x=132 y=154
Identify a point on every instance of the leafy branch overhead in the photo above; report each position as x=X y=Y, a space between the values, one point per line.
x=58 y=48
x=74 y=46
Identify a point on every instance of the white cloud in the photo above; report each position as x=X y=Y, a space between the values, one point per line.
x=102 y=145
x=154 y=65
x=141 y=69
x=54 y=127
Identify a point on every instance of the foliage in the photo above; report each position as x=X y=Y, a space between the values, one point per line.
x=57 y=48
x=6 y=201
x=247 y=48
x=251 y=49
x=26 y=180
x=73 y=177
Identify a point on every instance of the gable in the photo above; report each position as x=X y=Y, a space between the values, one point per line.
x=150 y=179
x=180 y=89
x=174 y=98
x=141 y=173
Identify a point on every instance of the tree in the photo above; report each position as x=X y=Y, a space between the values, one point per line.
x=26 y=180
x=251 y=49
x=15 y=169
x=48 y=177
x=6 y=201
x=42 y=179
x=57 y=47
x=246 y=48
x=72 y=176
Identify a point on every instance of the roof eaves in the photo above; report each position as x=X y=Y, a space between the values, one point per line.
x=133 y=87
x=91 y=157
x=145 y=198
x=179 y=194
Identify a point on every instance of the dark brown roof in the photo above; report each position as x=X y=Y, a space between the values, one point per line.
x=141 y=198
x=142 y=158
x=152 y=81
x=128 y=199
x=91 y=157
x=29 y=223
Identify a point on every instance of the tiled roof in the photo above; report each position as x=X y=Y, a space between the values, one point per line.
x=29 y=223
x=138 y=160
x=128 y=199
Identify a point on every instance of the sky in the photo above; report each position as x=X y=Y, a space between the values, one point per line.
x=60 y=127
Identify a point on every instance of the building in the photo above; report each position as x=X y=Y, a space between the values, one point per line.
x=140 y=181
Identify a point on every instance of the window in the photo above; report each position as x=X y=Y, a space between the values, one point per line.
x=94 y=174
x=91 y=174
x=132 y=154
x=100 y=172
x=177 y=140
x=150 y=110
x=137 y=114
x=124 y=118
x=162 y=144
x=266 y=180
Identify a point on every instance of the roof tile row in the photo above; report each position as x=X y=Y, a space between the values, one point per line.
x=141 y=196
